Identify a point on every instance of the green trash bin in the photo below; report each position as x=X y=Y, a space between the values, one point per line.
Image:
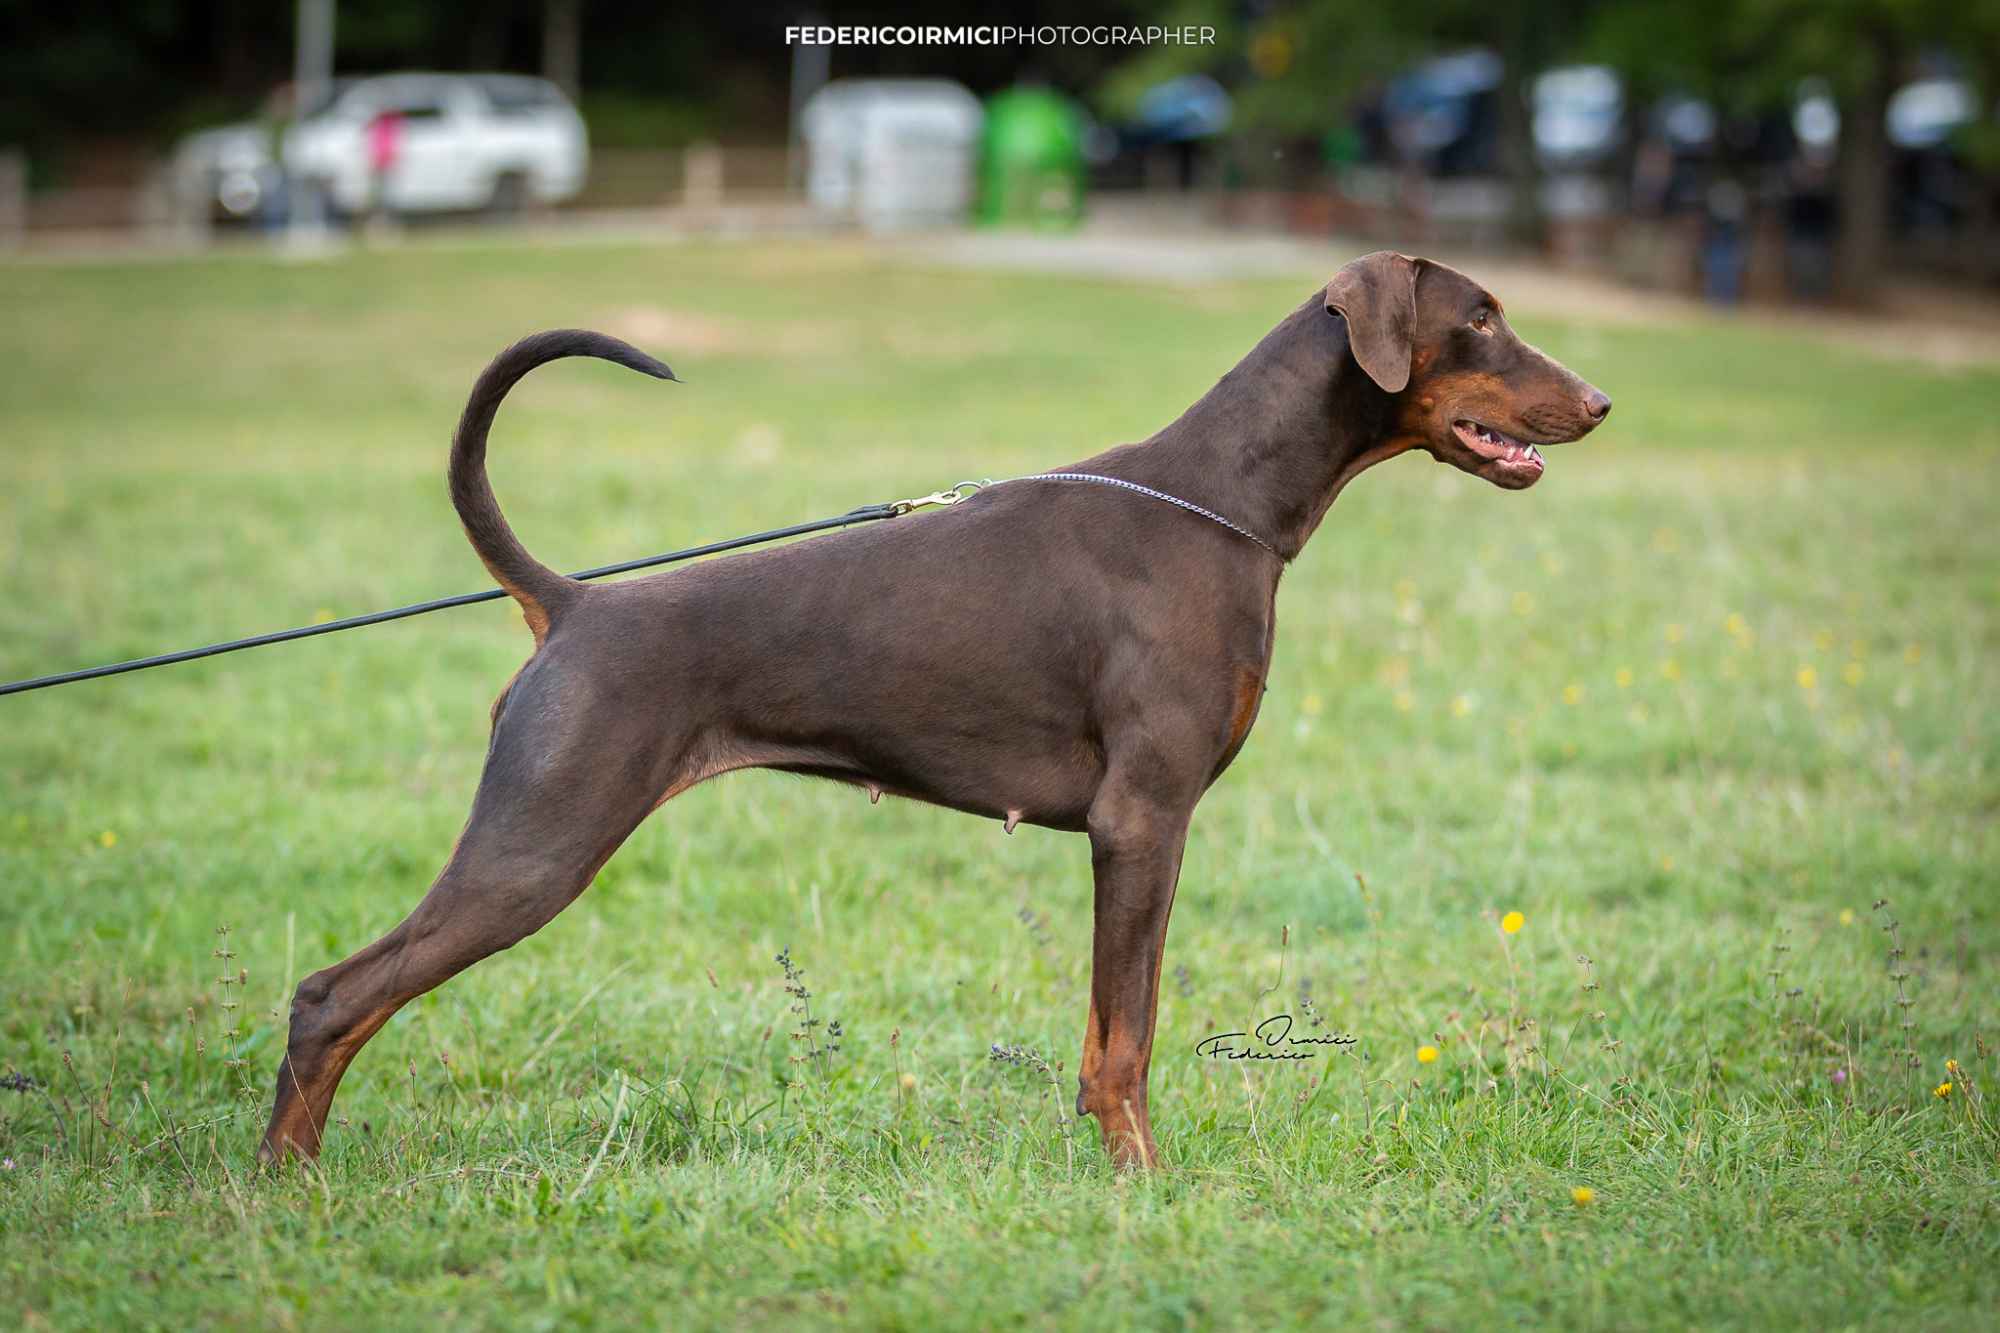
x=1031 y=160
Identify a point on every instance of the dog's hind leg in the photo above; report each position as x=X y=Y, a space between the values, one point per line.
x=559 y=794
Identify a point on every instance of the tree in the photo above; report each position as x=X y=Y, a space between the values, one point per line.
x=562 y=25
x=1750 y=56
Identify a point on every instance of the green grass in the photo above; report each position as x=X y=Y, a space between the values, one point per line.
x=1726 y=678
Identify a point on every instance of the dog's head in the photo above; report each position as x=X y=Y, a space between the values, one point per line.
x=1467 y=388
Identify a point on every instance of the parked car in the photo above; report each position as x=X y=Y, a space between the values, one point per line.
x=407 y=143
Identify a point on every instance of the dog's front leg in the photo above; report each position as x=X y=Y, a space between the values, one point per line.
x=1135 y=852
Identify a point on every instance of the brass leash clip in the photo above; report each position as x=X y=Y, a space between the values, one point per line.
x=964 y=490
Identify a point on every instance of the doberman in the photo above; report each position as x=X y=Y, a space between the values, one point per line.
x=1076 y=656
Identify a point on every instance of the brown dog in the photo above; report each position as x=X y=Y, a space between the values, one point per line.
x=1082 y=657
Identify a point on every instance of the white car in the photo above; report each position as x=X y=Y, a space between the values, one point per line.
x=462 y=141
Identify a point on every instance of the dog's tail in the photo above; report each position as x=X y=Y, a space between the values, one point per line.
x=541 y=591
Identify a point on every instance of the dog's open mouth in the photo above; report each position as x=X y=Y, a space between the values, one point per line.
x=1505 y=460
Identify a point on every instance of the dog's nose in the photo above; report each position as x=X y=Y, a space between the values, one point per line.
x=1597 y=404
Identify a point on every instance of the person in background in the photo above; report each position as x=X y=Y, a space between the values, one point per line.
x=1725 y=246
x=385 y=142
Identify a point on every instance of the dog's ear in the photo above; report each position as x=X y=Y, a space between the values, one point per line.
x=1377 y=296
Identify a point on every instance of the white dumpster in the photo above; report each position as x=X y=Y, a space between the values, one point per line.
x=892 y=153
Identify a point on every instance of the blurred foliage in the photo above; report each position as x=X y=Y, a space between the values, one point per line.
x=1749 y=55
x=150 y=68
x=1752 y=56
x=142 y=72
x=1298 y=63
x=1297 y=68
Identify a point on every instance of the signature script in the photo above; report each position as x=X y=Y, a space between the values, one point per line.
x=1271 y=1039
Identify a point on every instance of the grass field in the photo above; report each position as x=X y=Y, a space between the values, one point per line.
x=1725 y=679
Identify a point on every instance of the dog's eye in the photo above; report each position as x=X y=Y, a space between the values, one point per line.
x=1483 y=321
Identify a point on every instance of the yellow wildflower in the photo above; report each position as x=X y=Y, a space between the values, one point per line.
x=1942 y=1090
x=1847 y=916
x=1311 y=705
x=1512 y=923
x=1808 y=678
x=1427 y=1055
x=1572 y=694
x=1624 y=678
x=1583 y=1196
x=1951 y=1066
x=107 y=839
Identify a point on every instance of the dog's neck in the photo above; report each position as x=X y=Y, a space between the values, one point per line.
x=1273 y=443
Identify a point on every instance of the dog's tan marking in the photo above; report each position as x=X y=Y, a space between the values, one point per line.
x=715 y=767
x=1249 y=694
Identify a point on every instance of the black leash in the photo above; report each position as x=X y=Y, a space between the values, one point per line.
x=864 y=514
